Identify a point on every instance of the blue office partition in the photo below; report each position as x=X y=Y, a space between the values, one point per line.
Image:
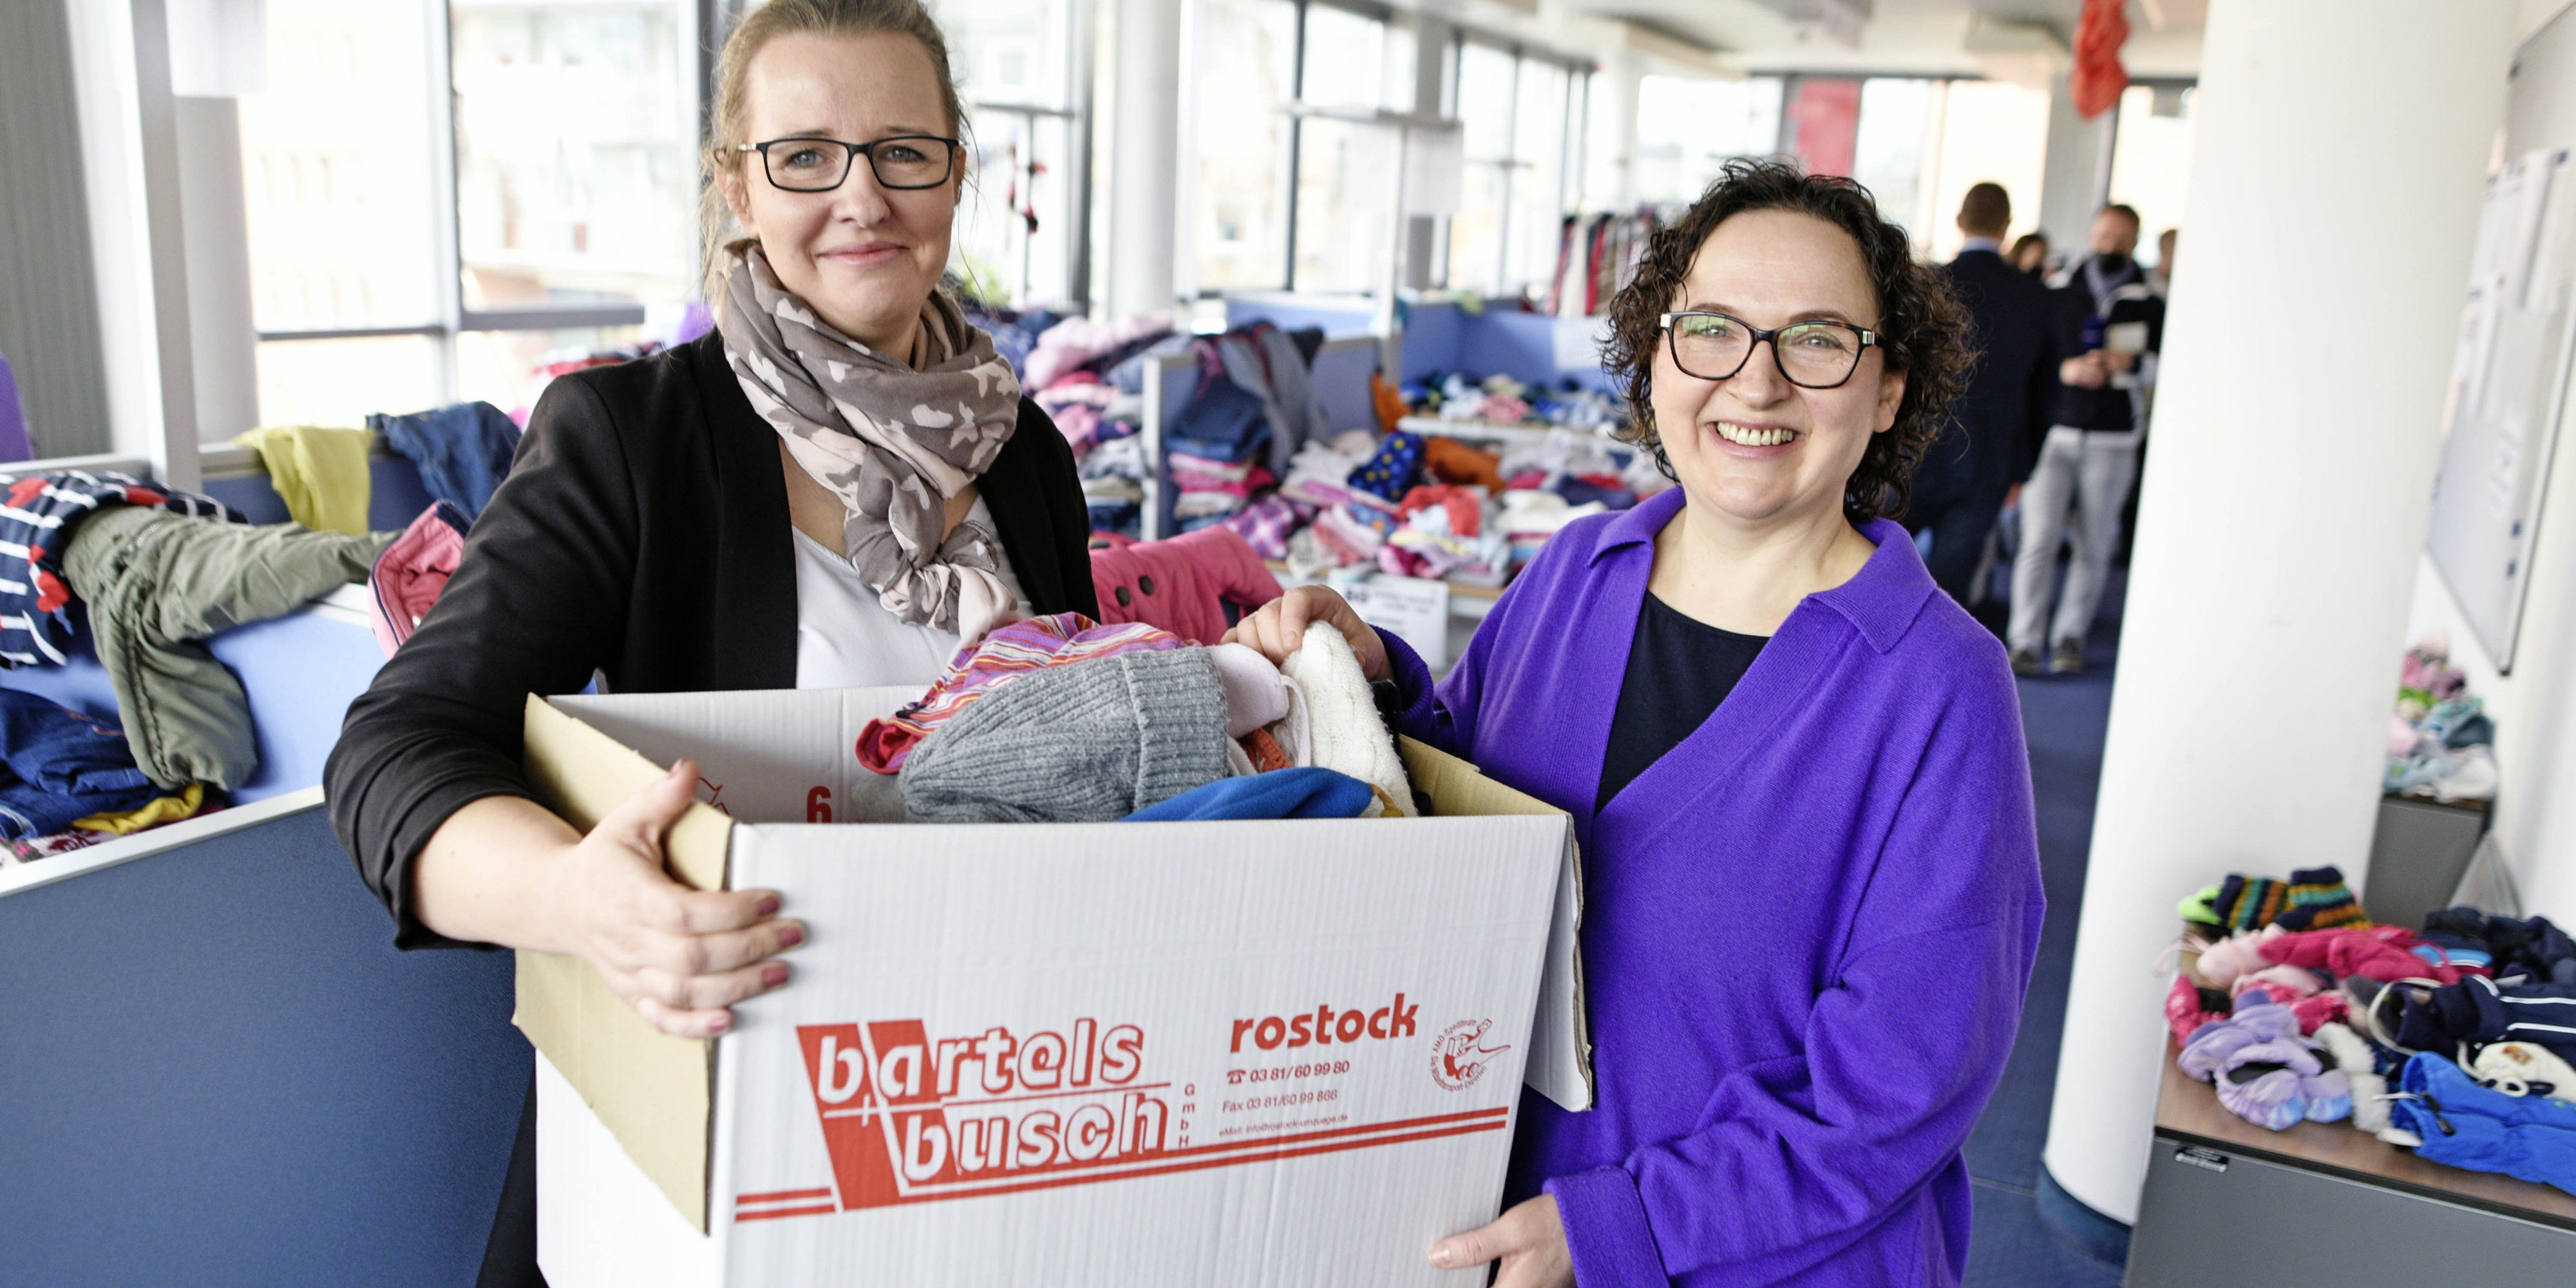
x=216 y=1070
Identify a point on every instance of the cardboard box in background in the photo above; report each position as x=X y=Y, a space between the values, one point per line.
x=1178 y=1053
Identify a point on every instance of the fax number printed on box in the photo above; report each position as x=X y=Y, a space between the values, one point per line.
x=1284 y=1100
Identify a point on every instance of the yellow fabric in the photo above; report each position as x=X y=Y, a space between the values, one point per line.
x=152 y=813
x=321 y=473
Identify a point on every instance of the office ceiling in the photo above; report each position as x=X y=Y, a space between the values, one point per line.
x=1900 y=36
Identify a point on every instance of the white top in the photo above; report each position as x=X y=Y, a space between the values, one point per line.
x=845 y=639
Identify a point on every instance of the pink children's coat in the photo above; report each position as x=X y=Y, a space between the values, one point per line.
x=1182 y=584
x=411 y=572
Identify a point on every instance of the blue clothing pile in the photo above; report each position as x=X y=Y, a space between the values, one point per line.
x=463 y=451
x=58 y=765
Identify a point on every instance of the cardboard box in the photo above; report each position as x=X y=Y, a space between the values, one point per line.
x=1281 y=1052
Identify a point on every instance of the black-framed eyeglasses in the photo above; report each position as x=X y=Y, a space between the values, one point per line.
x=1810 y=355
x=815 y=164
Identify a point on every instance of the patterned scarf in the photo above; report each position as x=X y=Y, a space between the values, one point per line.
x=893 y=440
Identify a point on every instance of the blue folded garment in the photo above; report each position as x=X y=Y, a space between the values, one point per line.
x=1282 y=793
x=58 y=765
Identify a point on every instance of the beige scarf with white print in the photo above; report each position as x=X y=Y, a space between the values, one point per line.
x=894 y=440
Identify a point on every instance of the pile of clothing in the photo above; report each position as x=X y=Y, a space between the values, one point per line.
x=1595 y=256
x=68 y=781
x=1501 y=400
x=2440 y=743
x=1064 y=720
x=157 y=571
x=1254 y=409
x=2458 y=1043
x=1089 y=377
x=1431 y=506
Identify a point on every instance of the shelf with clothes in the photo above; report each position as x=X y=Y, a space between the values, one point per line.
x=1094 y=380
x=2296 y=1007
x=157 y=621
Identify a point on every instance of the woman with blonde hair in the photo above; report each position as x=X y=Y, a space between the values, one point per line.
x=832 y=489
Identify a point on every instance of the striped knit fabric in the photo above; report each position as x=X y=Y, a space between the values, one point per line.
x=2249 y=903
x=37 y=514
x=1016 y=649
x=2318 y=899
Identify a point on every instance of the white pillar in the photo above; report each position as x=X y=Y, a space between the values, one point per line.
x=2286 y=496
x=2077 y=172
x=1144 y=158
x=1611 y=179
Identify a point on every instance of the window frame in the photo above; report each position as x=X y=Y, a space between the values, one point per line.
x=448 y=270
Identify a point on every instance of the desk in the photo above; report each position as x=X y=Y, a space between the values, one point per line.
x=2328 y=1203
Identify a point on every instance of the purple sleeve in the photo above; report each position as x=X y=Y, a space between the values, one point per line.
x=1805 y=1155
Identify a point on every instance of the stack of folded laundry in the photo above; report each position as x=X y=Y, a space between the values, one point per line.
x=1061 y=719
x=2440 y=743
x=2458 y=1043
x=1089 y=379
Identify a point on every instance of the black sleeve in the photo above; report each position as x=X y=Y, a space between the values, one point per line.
x=536 y=604
x=2042 y=394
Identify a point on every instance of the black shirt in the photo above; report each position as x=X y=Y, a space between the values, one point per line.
x=1678 y=671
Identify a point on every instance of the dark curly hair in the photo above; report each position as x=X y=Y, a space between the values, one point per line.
x=1920 y=322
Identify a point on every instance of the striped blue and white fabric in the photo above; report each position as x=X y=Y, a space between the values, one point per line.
x=37 y=514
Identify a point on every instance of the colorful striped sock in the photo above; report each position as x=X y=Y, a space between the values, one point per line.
x=2318 y=899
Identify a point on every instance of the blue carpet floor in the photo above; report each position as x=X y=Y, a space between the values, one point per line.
x=2064 y=718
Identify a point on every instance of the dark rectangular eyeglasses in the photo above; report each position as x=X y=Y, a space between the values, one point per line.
x=809 y=164
x=1810 y=355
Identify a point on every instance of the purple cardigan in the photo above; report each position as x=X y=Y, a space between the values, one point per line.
x=1806 y=930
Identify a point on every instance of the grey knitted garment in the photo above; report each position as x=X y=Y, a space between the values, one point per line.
x=1085 y=743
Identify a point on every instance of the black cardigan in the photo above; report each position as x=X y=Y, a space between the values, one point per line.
x=643 y=532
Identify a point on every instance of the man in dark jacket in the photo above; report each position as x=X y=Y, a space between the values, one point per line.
x=2011 y=394
x=2111 y=322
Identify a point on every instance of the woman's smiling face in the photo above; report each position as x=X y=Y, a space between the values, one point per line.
x=1754 y=446
x=863 y=255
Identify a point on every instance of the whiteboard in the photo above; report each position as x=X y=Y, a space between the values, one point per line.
x=2508 y=383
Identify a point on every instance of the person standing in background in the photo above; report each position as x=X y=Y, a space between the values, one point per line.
x=1960 y=486
x=2110 y=318
x=2029 y=253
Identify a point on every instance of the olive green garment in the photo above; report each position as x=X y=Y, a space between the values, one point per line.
x=156 y=583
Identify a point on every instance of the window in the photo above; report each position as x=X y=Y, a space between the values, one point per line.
x=2151 y=159
x=338 y=180
x=1688 y=128
x=442 y=197
x=1247 y=72
x=1986 y=132
x=1296 y=186
x=1014 y=61
x=1895 y=146
x=1515 y=112
x=576 y=179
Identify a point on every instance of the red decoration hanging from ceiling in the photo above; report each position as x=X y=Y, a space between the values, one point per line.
x=2098 y=77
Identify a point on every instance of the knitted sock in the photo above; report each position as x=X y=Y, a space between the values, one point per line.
x=2318 y=899
x=2248 y=903
x=2201 y=909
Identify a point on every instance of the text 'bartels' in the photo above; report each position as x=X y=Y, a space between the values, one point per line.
x=908 y=1118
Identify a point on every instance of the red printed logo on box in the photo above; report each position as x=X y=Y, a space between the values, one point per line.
x=1459 y=1056
x=909 y=1118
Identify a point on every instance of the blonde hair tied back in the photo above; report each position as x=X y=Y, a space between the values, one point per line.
x=716 y=228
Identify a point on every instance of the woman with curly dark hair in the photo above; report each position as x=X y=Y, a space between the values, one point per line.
x=1796 y=770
